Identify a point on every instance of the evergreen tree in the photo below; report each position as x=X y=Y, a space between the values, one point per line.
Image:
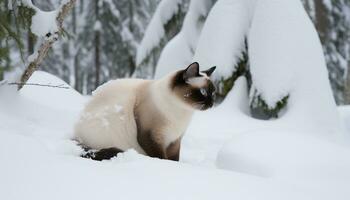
x=165 y=24
x=179 y=51
x=15 y=21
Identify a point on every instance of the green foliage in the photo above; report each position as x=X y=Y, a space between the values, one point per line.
x=225 y=85
x=172 y=27
x=259 y=108
x=13 y=23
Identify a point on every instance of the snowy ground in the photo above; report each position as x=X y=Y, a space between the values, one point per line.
x=225 y=155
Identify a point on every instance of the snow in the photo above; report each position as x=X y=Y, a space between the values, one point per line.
x=311 y=7
x=9 y=5
x=179 y=51
x=32 y=57
x=274 y=154
x=281 y=64
x=113 y=8
x=221 y=44
x=225 y=153
x=97 y=26
x=52 y=96
x=44 y=22
x=293 y=158
x=233 y=156
x=345 y=118
x=155 y=30
x=175 y=55
x=328 y=4
x=284 y=64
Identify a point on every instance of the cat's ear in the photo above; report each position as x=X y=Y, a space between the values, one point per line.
x=209 y=71
x=191 y=71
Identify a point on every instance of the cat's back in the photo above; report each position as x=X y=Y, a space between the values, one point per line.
x=121 y=91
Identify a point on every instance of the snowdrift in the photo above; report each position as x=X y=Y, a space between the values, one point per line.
x=39 y=161
x=225 y=154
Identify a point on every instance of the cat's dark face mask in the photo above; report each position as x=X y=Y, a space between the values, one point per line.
x=195 y=87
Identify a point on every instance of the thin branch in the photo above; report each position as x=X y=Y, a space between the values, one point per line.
x=35 y=84
x=45 y=47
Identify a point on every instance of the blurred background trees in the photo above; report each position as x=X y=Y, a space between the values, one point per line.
x=332 y=21
x=102 y=38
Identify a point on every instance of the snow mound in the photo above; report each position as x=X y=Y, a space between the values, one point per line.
x=291 y=157
x=344 y=113
x=52 y=96
x=284 y=154
x=39 y=110
x=40 y=161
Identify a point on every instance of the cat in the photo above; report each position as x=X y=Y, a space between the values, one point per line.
x=149 y=116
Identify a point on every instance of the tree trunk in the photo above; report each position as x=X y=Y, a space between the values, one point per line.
x=321 y=19
x=30 y=43
x=97 y=59
x=44 y=48
x=97 y=49
x=347 y=87
x=76 y=53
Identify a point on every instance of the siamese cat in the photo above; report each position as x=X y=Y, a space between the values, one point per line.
x=149 y=116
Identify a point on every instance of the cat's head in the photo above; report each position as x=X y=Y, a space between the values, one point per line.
x=194 y=87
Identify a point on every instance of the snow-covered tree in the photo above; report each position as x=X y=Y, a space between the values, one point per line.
x=179 y=51
x=165 y=24
x=232 y=59
x=240 y=38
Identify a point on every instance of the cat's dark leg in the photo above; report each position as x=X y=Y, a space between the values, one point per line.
x=151 y=145
x=149 y=140
x=102 y=154
x=173 y=150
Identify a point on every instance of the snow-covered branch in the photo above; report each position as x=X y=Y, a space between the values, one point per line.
x=54 y=28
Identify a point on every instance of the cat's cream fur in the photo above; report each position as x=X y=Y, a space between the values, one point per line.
x=108 y=120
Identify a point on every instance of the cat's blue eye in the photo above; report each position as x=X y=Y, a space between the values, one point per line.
x=203 y=92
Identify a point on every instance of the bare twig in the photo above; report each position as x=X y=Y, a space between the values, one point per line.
x=46 y=45
x=35 y=84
